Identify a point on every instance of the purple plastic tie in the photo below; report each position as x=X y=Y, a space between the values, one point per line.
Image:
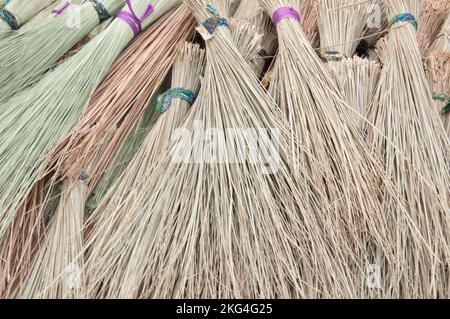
x=59 y=11
x=132 y=19
x=285 y=13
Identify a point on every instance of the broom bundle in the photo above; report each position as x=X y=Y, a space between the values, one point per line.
x=342 y=24
x=431 y=19
x=37 y=118
x=28 y=54
x=310 y=23
x=334 y=154
x=252 y=12
x=442 y=42
x=248 y=41
x=49 y=13
x=357 y=79
x=108 y=121
x=410 y=140
x=437 y=67
x=17 y=12
x=237 y=232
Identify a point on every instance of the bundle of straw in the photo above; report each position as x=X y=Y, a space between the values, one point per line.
x=135 y=77
x=342 y=24
x=437 y=67
x=357 y=79
x=432 y=17
x=310 y=25
x=37 y=118
x=248 y=41
x=126 y=153
x=411 y=141
x=442 y=42
x=252 y=12
x=333 y=153
x=28 y=54
x=44 y=16
x=17 y=12
x=237 y=231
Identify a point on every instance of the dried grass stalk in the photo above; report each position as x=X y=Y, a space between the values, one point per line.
x=333 y=152
x=254 y=14
x=342 y=25
x=431 y=20
x=248 y=41
x=357 y=79
x=411 y=142
x=237 y=232
x=442 y=42
x=26 y=55
x=57 y=270
x=37 y=118
x=437 y=67
x=22 y=11
x=310 y=24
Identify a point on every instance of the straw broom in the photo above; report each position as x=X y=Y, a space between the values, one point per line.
x=357 y=79
x=126 y=153
x=342 y=24
x=334 y=154
x=309 y=23
x=413 y=145
x=263 y=24
x=170 y=243
x=431 y=19
x=437 y=67
x=29 y=54
x=47 y=14
x=17 y=12
x=442 y=42
x=247 y=40
x=97 y=42
x=81 y=148
x=135 y=69
x=35 y=119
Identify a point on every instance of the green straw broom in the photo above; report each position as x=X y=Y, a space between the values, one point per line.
x=413 y=146
x=18 y=12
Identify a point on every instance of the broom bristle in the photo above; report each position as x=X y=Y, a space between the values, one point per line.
x=437 y=67
x=37 y=118
x=432 y=17
x=410 y=140
x=22 y=11
x=237 y=232
x=28 y=54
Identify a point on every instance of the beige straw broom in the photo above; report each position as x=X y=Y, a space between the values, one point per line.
x=236 y=232
x=17 y=12
x=437 y=67
x=342 y=24
x=357 y=80
x=37 y=118
x=442 y=42
x=334 y=154
x=410 y=140
x=27 y=54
